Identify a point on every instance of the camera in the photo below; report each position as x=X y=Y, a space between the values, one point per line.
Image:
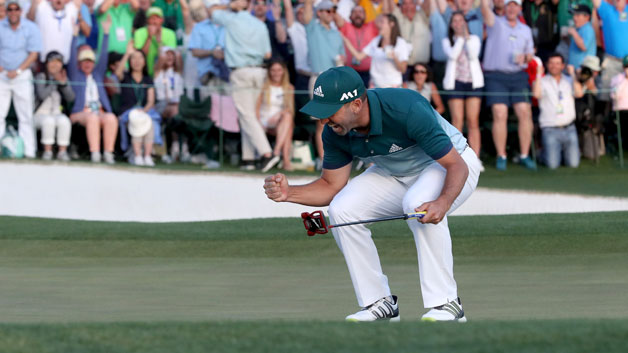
x=585 y=74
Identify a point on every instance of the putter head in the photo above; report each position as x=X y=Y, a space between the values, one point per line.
x=314 y=223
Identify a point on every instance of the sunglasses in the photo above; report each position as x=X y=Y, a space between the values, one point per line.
x=13 y=9
x=420 y=72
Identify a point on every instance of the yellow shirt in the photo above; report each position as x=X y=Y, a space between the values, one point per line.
x=372 y=10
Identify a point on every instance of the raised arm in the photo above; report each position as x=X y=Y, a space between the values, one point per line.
x=356 y=54
x=442 y=5
x=280 y=31
x=387 y=6
x=122 y=64
x=308 y=11
x=101 y=65
x=317 y=193
x=105 y=6
x=289 y=12
x=135 y=5
x=537 y=88
x=578 y=92
x=32 y=12
x=597 y=3
x=487 y=13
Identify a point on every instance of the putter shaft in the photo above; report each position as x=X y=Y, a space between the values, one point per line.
x=418 y=215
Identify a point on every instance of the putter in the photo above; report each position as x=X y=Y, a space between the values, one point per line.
x=315 y=222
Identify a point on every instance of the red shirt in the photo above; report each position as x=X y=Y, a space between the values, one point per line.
x=359 y=37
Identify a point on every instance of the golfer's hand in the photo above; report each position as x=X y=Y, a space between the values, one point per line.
x=276 y=187
x=435 y=211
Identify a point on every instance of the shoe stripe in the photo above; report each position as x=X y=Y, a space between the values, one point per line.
x=451 y=311
x=456 y=306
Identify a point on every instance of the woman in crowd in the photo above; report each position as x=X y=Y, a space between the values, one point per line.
x=422 y=82
x=137 y=92
x=389 y=54
x=91 y=105
x=51 y=92
x=275 y=110
x=168 y=91
x=464 y=77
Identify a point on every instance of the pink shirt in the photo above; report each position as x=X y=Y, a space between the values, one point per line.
x=359 y=37
x=620 y=92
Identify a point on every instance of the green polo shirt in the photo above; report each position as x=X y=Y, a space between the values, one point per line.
x=121 y=27
x=406 y=135
x=168 y=39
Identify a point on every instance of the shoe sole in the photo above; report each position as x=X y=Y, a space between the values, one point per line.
x=394 y=319
x=431 y=319
x=271 y=163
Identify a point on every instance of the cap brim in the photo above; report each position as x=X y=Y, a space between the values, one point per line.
x=320 y=110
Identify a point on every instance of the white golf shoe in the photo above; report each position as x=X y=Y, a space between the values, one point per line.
x=386 y=308
x=451 y=311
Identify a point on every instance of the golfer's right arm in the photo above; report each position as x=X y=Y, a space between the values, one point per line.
x=317 y=193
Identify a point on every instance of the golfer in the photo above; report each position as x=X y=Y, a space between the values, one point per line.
x=420 y=162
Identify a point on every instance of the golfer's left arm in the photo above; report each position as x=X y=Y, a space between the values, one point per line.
x=457 y=173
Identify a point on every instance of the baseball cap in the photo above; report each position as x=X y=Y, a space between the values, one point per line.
x=324 y=5
x=580 y=8
x=333 y=89
x=592 y=62
x=87 y=54
x=518 y=2
x=154 y=11
x=625 y=61
x=54 y=55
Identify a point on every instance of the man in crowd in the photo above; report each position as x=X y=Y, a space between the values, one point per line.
x=151 y=38
x=247 y=44
x=556 y=93
x=473 y=15
x=325 y=49
x=122 y=13
x=359 y=34
x=582 y=35
x=207 y=43
x=298 y=37
x=20 y=43
x=414 y=26
x=615 y=22
x=509 y=47
x=56 y=21
x=276 y=30
x=541 y=16
x=173 y=16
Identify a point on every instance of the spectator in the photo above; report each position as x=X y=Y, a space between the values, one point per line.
x=56 y=19
x=541 y=16
x=246 y=46
x=564 y=15
x=20 y=42
x=475 y=16
x=423 y=82
x=556 y=93
x=620 y=88
x=88 y=18
x=464 y=76
x=438 y=29
x=414 y=26
x=168 y=83
x=3 y=10
x=207 y=43
x=140 y=19
x=615 y=27
x=590 y=114
x=92 y=108
x=582 y=35
x=197 y=13
x=389 y=53
x=173 y=11
x=509 y=47
x=138 y=93
x=122 y=13
x=51 y=92
x=499 y=8
x=276 y=31
x=373 y=8
x=359 y=34
x=298 y=37
x=325 y=50
x=275 y=110
x=151 y=38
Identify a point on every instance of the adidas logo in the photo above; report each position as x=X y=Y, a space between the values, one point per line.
x=394 y=148
x=318 y=91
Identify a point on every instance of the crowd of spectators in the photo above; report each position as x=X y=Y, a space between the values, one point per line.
x=119 y=69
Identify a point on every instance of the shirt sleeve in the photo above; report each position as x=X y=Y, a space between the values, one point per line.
x=196 y=40
x=222 y=17
x=588 y=37
x=221 y=36
x=402 y=49
x=370 y=48
x=424 y=128
x=335 y=157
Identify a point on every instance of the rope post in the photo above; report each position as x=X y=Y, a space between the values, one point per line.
x=221 y=155
x=619 y=142
x=532 y=142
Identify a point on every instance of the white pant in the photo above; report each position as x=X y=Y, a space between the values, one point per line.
x=374 y=194
x=21 y=90
x=247 y=84
x=50 y=123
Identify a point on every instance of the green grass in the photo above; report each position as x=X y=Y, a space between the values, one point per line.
x=529 y=283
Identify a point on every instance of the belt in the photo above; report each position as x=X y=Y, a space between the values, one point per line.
x=245 y=67
x=564 y=126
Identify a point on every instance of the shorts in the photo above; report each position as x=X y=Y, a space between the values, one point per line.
x=514 y=88
x=464 y=90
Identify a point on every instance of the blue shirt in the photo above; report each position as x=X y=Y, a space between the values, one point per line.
x=87 y=17
x=474 y=19
x=206 y=36
x=16 y=45
x=576 y=56
x=323 y=45
x=503 y=43
x=439 y=31
x=615 y=27
x=246 y=38
x=406 y=135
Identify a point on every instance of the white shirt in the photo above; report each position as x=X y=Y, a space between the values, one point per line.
x=56 y=28
x=556 y=104
x=270 y=108
x=168 y=86
x=51 y=105
x=383 y=71
x=299 y=44
x=91 y=92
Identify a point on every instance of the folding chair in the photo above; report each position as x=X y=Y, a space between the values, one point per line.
x=193 y=120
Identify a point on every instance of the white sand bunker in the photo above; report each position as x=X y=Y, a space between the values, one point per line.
x=115 y=194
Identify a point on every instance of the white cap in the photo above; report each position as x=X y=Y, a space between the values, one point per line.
x=139 y=123
x=518 y=2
